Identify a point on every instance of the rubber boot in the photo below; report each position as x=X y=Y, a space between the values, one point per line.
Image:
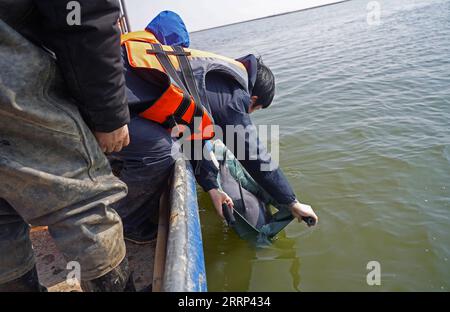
x=118 y=279
x=29 y=282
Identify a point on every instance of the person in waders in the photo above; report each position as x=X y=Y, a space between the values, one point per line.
x=62 y=105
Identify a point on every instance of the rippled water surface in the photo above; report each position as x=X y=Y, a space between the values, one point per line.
x=364 y=115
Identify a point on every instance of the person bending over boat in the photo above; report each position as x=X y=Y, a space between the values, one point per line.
x=193 y=83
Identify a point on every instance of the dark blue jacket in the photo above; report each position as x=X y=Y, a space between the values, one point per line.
x=87 y=54
x=229 y=105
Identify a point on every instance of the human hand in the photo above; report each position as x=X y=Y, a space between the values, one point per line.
x=113 y=141
x=302 y=212
x=219 y=198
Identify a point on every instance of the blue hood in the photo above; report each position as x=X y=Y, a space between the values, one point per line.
x=169 y=29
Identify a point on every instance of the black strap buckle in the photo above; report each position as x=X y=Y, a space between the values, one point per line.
x=164 y=52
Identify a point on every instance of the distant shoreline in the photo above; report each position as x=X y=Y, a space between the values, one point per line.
x=269 y=16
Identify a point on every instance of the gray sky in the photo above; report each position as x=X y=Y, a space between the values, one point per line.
x=201 y=14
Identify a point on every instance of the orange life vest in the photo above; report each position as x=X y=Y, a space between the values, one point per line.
x=180 y=102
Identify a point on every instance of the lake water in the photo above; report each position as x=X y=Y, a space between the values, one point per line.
x=364 y=115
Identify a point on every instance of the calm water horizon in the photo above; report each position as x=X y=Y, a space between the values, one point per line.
x=364 y=116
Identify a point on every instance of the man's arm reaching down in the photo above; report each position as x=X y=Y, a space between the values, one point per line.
x=229 y=105
x=260 y=164
x=267 y=174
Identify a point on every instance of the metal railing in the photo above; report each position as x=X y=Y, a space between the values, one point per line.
x=124 y=23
